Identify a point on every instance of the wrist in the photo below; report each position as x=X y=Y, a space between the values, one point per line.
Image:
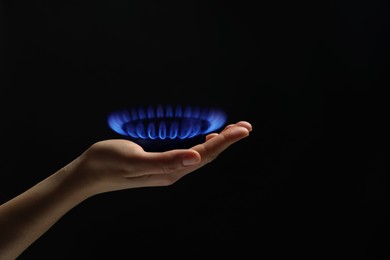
x=71 y=184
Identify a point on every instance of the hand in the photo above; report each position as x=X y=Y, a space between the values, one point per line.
x=121 y=164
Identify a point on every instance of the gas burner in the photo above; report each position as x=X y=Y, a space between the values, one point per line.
x=166 y=122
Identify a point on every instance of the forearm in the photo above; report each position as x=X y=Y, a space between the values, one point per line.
x=26 y=217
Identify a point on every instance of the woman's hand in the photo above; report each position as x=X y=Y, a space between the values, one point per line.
x=121 y=164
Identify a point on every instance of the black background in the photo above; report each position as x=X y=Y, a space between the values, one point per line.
x=311 y=178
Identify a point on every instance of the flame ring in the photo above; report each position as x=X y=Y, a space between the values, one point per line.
x=166 y=122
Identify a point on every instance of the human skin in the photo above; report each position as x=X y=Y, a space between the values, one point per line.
x=105 y=166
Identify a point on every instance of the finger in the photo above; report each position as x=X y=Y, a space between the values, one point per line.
x=209 y=136
x=245 y=124
x=207 y=152
x=179 y=160
x=220 y=142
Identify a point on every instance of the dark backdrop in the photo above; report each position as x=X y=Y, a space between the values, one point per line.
x=309 y=181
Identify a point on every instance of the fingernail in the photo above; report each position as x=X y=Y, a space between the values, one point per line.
x=190 y=160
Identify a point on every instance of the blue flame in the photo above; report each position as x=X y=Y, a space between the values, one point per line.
x=166 y=122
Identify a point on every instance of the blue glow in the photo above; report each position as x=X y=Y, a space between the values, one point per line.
x=166 y=122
